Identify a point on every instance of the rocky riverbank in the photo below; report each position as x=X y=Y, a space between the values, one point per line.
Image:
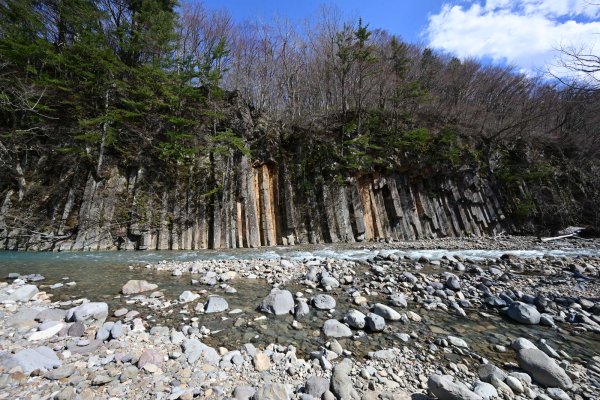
x=384 y=326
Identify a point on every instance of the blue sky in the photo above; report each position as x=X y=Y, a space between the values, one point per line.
x=407 y=18
x=524 y=33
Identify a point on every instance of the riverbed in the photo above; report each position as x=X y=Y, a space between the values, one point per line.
x=100 y=276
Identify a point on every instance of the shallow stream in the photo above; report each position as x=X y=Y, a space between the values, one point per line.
x=99 y=276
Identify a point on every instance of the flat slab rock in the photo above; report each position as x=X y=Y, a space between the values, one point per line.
x=135 y=286
x=215 y=304
x=444 y=387
x=33 y=359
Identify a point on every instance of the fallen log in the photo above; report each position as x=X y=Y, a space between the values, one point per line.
x=548 y=239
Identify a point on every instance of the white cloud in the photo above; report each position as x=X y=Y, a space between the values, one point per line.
x=525 y=33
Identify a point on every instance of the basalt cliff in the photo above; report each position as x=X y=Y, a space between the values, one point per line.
x=270 y=196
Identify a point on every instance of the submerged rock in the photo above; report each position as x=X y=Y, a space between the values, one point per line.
x=334 y=328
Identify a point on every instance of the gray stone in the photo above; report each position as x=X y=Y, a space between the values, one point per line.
x=324 y=302
x=445 y=388
x=409 y=277
x=51 y=314
x=60 y=373
x=68 y=393
x=195 y=350
x=458 y=342
x=89 y=312
x=23 y=293
x=384 y=355
x=215 y=304
x=76 y=329
x=243 y=392
x=103 y=334
x=316 y=386
x=117 y=330
x=249 y=349
x=101 y=379
x=150 y=356
x=301 y=309
x=558 y=394
x=32 y=359
x=355 y=319
x=278 y=302
x=547 y=320
x=135 y=286
x=522 y=343
x=375 y=323
x=514 y=384
x=24 y=318
x=453 y=282
x=386 y=312
x=48 y=324
x=341 y=383
x=47 y=330
x=523 y=313
x=485 y=390
x=334 y=328
x=487 y=371
x=274 y=391
x=84 y=346
x=546 y=348
x=543 y=369
x=188 y=296
x=120 y=312
x=399 y=300
x=330 y=282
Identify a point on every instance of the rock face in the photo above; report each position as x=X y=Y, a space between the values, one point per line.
x=543 y=369
x=138 y=286
x=261 y=204
x=523 y=313
x=445 y=388
x=278 y=302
